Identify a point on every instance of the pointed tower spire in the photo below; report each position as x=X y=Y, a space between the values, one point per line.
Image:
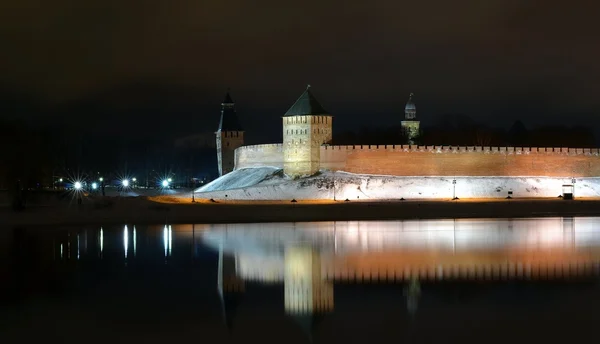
x=228 y=99
x=229 y=120
x=230 y=135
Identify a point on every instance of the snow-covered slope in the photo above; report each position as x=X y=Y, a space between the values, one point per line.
x=241 y=179
x=269 y=183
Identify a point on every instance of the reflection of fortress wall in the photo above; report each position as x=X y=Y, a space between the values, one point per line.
x=470 y=266
x=227 y=278
x=305 y=289
x=405 y=160
x=435 y=249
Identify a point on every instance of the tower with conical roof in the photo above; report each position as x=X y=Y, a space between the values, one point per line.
x=306 y=126
x=230 y=136
x=411 y=125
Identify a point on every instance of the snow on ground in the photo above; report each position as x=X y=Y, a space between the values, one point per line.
x=269 y=183
x=242 y=178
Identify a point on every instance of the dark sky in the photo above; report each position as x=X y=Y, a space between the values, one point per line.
x=169 y=62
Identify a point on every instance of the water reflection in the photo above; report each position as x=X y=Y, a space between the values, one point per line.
x=311 y=260
x=125 y=239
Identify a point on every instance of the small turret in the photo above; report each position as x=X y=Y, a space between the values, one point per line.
x=410 y=125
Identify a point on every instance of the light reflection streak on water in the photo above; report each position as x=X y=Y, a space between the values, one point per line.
x=101 y=240
x=77 y=246
x=134 y=241
x=125 y=239
x=168 y=239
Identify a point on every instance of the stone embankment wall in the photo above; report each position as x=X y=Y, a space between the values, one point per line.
x=406 y=160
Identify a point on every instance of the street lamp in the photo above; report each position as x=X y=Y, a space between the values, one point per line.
x=125 y=183
x=165 y=183
x=77 y=185
x=94 y=186
x=454 y=198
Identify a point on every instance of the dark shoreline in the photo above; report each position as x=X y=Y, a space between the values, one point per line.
x=142 y=211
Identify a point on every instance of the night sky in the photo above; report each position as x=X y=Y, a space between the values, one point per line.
x=162 y=67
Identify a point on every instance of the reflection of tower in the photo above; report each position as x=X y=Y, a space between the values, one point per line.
x=230 y=136
x=306 y=291
x=412 y=293
x=410 y=125
x=230 y=287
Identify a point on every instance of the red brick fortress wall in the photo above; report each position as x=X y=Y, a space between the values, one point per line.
x=405 y=160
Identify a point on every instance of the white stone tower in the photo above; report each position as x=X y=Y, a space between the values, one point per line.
x=411 y=125
x=230 y=136
x=306 y=126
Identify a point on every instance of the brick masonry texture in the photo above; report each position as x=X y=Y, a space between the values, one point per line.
x=405 y=160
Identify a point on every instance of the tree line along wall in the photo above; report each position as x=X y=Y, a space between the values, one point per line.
x=410 y=160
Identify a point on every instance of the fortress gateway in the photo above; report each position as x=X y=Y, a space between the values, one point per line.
x=395 y=171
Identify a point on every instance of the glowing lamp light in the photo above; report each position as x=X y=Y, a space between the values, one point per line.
x=94 y=186
x=77 y=185
x=165 y=183
x=134 y=180
x=60 y=180
x=101 y=179
x=125 y=182
x=169 y=180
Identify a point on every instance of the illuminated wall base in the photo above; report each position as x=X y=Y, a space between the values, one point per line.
x=365 y=187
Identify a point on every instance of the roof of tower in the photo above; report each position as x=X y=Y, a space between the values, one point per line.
x=410 y=105
x=307 y=104
x=229 y=120
x=228 y=99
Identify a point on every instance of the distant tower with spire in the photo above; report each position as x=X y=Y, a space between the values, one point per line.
x=411 y=125
x=306 y=126
x=230 y=136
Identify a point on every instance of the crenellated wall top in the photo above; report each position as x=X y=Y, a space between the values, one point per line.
x=468 y=149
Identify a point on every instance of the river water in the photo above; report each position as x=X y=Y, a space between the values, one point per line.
x=418 y=281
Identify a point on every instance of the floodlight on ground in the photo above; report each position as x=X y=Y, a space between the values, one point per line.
x=94 y=186
x=77 y=185
x=125 y=182
x=165 y=183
